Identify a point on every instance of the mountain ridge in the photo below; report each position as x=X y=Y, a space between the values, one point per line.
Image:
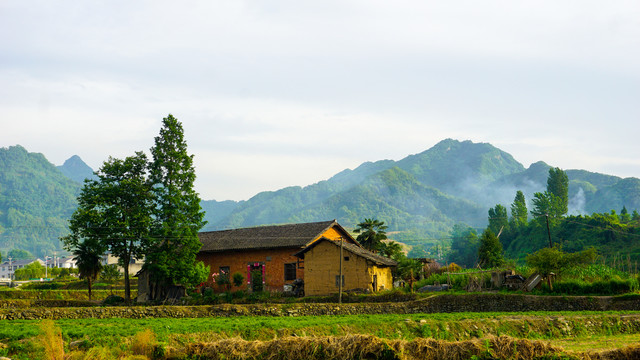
x=421 y=197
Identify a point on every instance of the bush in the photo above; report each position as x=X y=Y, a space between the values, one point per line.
x=614 y=286
x=237 y=279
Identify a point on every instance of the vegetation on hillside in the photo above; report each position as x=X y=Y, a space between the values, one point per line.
x=36 y=200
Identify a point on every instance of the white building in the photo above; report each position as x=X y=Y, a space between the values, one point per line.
x=135 y=265
x=8 y=268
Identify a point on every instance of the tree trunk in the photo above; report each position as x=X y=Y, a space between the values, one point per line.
x=89 y=285
x=127 y=286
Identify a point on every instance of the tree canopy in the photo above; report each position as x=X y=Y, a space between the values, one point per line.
x=87 y=254
x=519 y=215
x=490 y=253
x=171 y=259
x=371 y=233
x=136 y=208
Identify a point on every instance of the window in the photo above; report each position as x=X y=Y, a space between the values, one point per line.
x=338 y=279
x=225 y=270
x=346 y=258
x=290 y=271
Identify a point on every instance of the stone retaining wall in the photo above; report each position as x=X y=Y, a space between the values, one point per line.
x=436 y=304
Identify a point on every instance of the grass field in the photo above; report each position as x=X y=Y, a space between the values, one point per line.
x=576 y=332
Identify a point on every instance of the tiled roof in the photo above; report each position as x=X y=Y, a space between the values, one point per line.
x=264 y=237
x=22 y=262
x=355 y=249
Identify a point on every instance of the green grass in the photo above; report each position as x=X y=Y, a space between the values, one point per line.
x=115 y=333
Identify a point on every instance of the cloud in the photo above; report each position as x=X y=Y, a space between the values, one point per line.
x=279 y=85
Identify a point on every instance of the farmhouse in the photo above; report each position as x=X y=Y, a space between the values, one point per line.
x=264 y=255
x=362 y=270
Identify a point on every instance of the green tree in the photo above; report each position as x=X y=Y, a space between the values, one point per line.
x=498 y=219
x=371 y=233
x=177 y=213
x=116 y=211
x=464 y=246
x=553 y=260
x=555 y=201
x=558 y=185
x=110 y=273
x=409 y=270
x=519 y=213
x=31 y=271
x=625 y=217
x=87 y=255
x=490 y=253
x=391 y=249
x=19 y=254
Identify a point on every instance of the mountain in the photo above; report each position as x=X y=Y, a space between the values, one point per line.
x=420 y=197
x=77 y=170
x=36 y=200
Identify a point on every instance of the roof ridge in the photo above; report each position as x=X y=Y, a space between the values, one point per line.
x=274 y=225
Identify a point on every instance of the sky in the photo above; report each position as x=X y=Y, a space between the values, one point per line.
x=283 y=92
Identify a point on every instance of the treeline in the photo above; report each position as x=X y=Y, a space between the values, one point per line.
x=522 y=232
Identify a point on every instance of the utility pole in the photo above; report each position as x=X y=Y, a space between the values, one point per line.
x=340 y=276
x=548 y=230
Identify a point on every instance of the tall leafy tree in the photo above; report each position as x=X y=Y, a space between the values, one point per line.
x=558 y=185
x=87 y=255
x=115 y=210
x=555 y=201
x=464 y=246
x=624 y=216
x=371 y=233
x=519 y=213
x=498 y=219
x=177 y=213
x=490 y=253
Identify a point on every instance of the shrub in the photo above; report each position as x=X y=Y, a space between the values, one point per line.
x=238 y=279
x=614 y=286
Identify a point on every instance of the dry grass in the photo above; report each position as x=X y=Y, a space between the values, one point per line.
x=51 y=339
x=143 y=343
x=370 y=347
x=597 y=343
x=627 y=353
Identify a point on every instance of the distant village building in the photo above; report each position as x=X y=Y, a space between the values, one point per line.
x=8 y=268
x=362 y=270
x=265 y=253
x=135 y=265
x=66 y=263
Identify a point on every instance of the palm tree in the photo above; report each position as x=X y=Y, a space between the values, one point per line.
x=87 y=256
x=392 y=250
x=371 y=232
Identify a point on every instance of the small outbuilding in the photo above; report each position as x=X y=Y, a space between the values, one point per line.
x=362 y=270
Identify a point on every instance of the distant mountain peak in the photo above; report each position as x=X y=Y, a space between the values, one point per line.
x=76 y=169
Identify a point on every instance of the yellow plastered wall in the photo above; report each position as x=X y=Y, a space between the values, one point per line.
x=322 y=266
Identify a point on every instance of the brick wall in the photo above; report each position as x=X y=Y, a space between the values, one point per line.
x=237 y=261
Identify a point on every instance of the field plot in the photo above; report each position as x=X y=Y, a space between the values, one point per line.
x=460 y=335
